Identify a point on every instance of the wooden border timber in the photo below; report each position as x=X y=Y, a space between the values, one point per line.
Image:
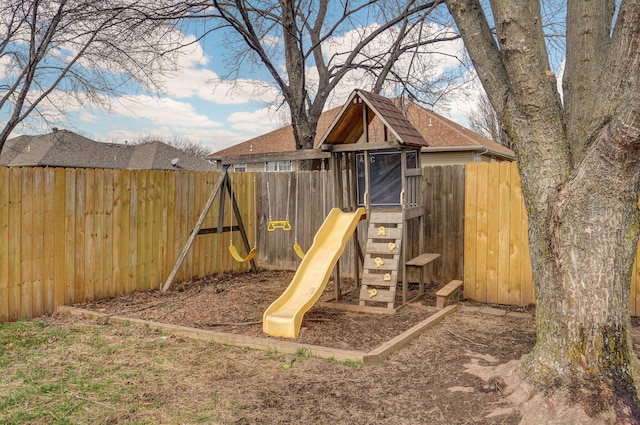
x=357 y=308
x=377 y=355
x=385 y=350
x=265 y=344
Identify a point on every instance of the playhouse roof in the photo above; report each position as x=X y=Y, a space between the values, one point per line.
x=348 y=126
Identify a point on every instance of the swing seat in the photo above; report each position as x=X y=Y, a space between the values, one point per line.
x=298 y=249
x=236 y=256
x=273 y=225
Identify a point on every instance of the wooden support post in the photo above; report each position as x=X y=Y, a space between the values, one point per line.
x=194 y=232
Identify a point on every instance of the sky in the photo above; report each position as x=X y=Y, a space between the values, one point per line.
x=199 y=105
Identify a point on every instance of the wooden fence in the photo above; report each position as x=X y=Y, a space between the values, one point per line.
x=299 y=197
x=74 y=235
x=497 y=267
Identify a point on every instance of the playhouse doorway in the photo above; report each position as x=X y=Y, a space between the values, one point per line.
x=385 y=177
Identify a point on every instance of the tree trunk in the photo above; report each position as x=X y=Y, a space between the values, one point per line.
x=582 y=296
x=581 y=178
x=304 y=128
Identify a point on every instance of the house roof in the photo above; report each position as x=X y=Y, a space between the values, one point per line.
x=63 y=148
x=348 y=126
x=439 y=133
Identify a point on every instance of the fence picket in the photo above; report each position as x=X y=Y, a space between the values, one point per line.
x=4 y=245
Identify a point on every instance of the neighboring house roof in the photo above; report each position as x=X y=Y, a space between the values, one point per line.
x=348 y=126
x=63 y=148
x=440 y=134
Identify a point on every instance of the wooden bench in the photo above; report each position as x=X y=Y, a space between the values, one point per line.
x=450 y=291
x=421 y=261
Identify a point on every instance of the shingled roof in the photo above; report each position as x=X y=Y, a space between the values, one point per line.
x=348 y=126
x=439 y=133
x=63 y=148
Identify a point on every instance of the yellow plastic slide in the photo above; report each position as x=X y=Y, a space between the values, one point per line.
x=284 y=315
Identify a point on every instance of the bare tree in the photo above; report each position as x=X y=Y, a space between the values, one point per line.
x=181 y=143
x=53 y=52
x=484 y=120
x=579 y=159
x=303 y=35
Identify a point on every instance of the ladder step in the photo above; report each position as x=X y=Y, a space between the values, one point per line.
x=388 y=264
x=385 y=216
x=383 y=248
x=378 y=278
x=376 y=232
x=378 y=295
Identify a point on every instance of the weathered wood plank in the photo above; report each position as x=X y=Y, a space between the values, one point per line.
x=107 y=234
x=377 y=294
x=504 y=220
x=515 y=241
x=37 y=243
x=481 y=233
x=423 y=259
x=90 y=240
x=458 y=215
x=375 y=232
x=4 y=244
x=470 y=229
x=49 y=228
x=450 y=290
x=526 y=271
x=492 y=233
x=26 y=245
x=390 y=264
x=385 y=350
x=383 y=248
x=69 y=236
x=371 y=279
x=387 y=217
x=15 y=233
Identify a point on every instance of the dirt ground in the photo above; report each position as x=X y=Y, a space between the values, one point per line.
x=425 y=382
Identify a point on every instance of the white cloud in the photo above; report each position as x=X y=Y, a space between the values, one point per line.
x=207 y=85
x=161 y=111
x=194 y=80
x=260 y=121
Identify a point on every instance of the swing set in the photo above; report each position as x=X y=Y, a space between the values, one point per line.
x=224 y=182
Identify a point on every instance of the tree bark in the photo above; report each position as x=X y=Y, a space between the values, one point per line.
x=580 y=168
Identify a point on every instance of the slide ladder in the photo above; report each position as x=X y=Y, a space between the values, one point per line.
x=382 y=258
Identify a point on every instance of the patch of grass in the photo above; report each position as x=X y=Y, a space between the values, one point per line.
x=100 y=373
x=348 y=363
x=55 y=375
